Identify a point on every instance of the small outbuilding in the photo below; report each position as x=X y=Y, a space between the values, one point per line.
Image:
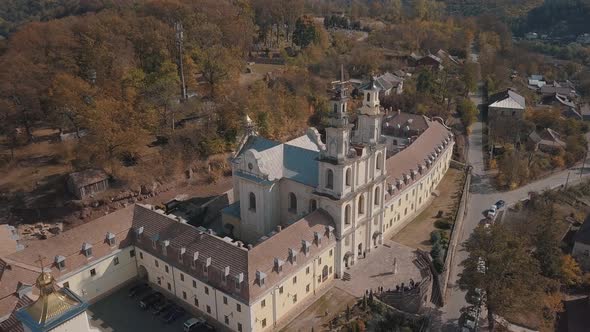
x=85 y=183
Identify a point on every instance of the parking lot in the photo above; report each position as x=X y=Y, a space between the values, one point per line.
x=120 y=313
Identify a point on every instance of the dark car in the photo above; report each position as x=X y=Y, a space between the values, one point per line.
x=150 y=300
x=206 y=327
x=138 y=289
x=500 y=204
x=158 y=304
x=174 y=314
x=161 y=307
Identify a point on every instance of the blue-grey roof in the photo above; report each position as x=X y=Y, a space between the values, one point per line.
x=259 y=144
x=233 y=210
x=300 y=165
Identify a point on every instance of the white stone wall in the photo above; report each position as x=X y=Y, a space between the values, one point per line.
x=109 y=273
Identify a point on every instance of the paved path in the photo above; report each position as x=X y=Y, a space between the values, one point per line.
x=483 y=195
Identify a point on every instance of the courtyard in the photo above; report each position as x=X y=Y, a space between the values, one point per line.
x=417 y=233
x=120 y=313
x=386 y=266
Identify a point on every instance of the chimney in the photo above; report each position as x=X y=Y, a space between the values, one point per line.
x=279 y=228
x=250 y=247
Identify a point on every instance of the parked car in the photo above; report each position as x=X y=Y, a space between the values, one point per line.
x=138 y=289
x=173 y=314
x=206 y=327
x=500 y=204
x=193 y=323
x=147 y=301
x=160 y=305
x=492 y=212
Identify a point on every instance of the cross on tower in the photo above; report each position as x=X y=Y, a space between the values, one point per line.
x=40 y=261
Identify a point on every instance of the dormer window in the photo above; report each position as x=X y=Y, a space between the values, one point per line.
x=239 y=280
x=181 y=254
x=317 y=238
x=260 y=278
x=225 y=273
x=110 y=238
x=279 y=265
x=138 y=233
x=292 y=256
x=206 y=266
x=155 y=239
x=60 y=262
x=165 y=245
x=87 y=249
x=195 y=258
x=305 y=247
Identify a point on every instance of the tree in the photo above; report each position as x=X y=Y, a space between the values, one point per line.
x=500 y=265
x=425 y=82
x=571 y=274
x=217 y=64
x=305 y=32
x=70 y=98
x=467 y=112
x=547 y=243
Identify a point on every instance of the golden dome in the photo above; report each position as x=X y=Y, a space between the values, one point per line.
x=52 y=302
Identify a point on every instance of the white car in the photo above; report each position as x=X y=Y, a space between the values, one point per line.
x=492 y=212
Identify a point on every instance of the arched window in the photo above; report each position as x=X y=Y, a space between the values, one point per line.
x=252 y=202
x=362 y=204
x=368 y=96
x=329 y=179
x=379 y=160
x=347 y=214
x=348 y=177
x=343 y=108
x=292 y=202
x=313 y=205
x=377 y=195
x=335 y=108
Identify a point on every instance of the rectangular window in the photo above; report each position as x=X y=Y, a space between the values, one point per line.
x=132 y=253
x=66 y=284
x=166 y=268
x=294 y=280
x=294 y=298
x=320 y=261
x=331 y=270
x=281 y=290
x=238 y=307
x=399 y=203
x=206 y=290
x=181 y=277
x=156 y=262
x=224 y=300
x=264 y=322
x=169 y=287
x=196 y=302
x=263 y=303
x=92 y=272
x=331 y=252
x=184 y=295
x=141 y=255
x=239 y=327
x=208 y=309
x=116 y=260
x=307 y=270
x=226 y=320
x=307 y=288
x=194 y=284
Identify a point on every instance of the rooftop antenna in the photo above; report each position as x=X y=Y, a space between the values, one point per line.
x=40 y=260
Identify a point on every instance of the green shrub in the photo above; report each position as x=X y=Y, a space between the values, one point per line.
x=435 y=237
x=439 y=265
x=443 y=224
x=436 y=251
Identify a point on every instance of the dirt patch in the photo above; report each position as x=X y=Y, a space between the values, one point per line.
x=417 y=233
x=333 y=302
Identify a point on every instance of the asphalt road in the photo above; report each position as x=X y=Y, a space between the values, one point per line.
x=482 y=196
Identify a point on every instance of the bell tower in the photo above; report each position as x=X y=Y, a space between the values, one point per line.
x=338 y=131
x=370 y=117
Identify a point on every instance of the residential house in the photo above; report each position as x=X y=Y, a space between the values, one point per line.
x=506 y=104
x=547 y=140
x=581 y=249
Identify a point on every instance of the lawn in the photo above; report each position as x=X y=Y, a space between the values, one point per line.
x=417 y=233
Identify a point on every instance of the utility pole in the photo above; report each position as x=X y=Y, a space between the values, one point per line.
x=180 y=44
x=567 y=179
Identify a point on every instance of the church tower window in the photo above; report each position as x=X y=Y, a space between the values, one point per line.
x=292 y=202
x=377 y=195
x=347 y=215
x=379 y=161
x=329 y=179
x=252 y=202
x=362 y=204
x=348 y=177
